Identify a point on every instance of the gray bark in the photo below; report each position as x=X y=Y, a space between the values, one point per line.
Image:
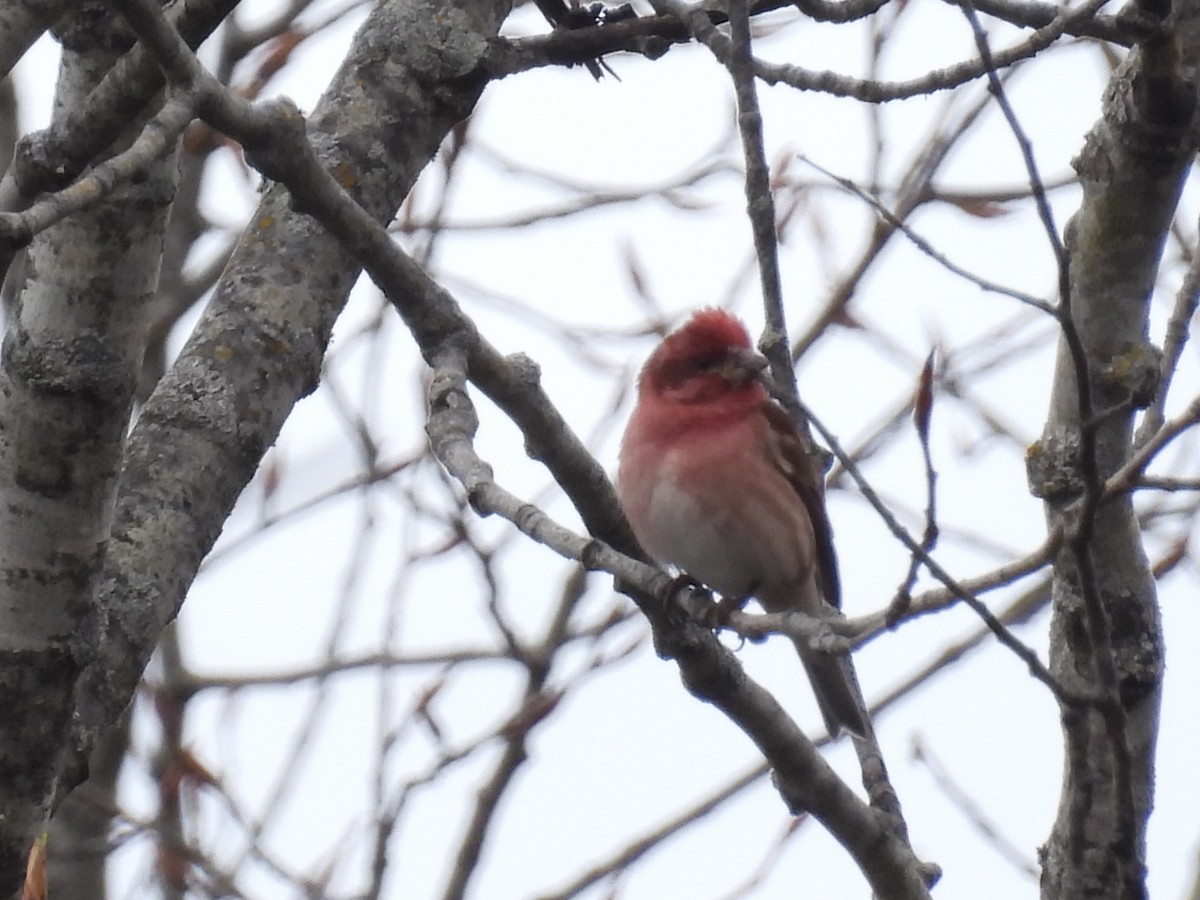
x=21 y=23
x=1106 y=639
x=411 y=75
x=71 y=354
x=80 y=841
x=408 y=79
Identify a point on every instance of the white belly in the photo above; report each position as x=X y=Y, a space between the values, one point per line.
x=715 y=548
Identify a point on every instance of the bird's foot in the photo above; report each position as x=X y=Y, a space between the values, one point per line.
x=721 y=610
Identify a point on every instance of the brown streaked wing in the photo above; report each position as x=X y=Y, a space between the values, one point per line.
x=791 y=450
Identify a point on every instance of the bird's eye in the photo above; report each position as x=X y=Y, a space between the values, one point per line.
x=709 y=361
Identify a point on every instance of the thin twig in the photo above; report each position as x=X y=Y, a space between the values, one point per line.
x=1036 y=667
x=925 y=246
x=1187 y=299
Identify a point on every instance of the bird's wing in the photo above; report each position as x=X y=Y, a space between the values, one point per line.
x=793 y=452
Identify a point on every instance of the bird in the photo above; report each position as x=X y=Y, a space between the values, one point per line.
x=717 y=480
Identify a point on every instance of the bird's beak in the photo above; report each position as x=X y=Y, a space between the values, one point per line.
x=742 y=365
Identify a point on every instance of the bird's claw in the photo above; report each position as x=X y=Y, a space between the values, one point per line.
x=709 y=613
x=681 y=581
x=719 y=612
x=685 y=595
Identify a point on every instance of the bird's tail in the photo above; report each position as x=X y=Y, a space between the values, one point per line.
x=836 y=687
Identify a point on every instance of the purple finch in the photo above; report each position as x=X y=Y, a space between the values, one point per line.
x=715 y=479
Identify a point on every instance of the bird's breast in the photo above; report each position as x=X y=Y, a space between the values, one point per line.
x=724 y=515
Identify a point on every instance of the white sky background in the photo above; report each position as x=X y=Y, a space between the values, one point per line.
x=631 y=748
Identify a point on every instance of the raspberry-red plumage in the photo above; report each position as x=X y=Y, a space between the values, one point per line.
x=716 y=479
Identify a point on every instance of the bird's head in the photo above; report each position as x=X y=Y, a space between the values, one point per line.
x=709 y=357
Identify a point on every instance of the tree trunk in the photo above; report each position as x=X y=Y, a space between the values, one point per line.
x=1106 y=638
x=72 y=351
x=69 y=370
